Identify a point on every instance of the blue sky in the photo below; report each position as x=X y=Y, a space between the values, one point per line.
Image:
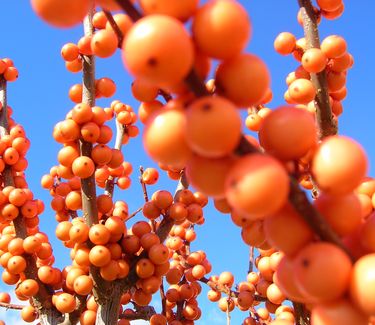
x=39 y=100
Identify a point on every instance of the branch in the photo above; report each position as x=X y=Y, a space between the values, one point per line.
x=163 y=300
x=224 y=289
x=326 y=124
x=314 y=219
x=134 y=213
x=251 y=259
x=88 y=188
x=196 y=85
x=142 y=312
x=42 y=301
x=301 y=314
x=115 y=27
x=128 y=7
x=228 y=312
x=11 y=306
x=144 y=187
x=120 y=132
x=167 y=223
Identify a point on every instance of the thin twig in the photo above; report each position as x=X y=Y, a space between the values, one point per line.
x=144 y=187
x=11 y=306
x=163 y=299
x=224 y=289
x=134 y=213
x=326 y=123
x=251 y=259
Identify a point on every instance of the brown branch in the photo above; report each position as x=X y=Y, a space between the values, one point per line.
x=245 y=147
x=224 y=289
x=314 y=219
x=144 y=187
x=327 y=125
x=128 y=7
x=228 y=312
x=115 y=27
x=134 y=213
x=167 y=97
x=251 y=259
x=88 y=188
x=196 y=85
x=120 y=132
x=301 y=314
x=42 y=301
x=163 y=300
x=11 y=306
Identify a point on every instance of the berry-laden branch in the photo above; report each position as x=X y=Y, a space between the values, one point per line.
x=89 y=207
x=297 y=197
x=327 y=125
x=42 y=301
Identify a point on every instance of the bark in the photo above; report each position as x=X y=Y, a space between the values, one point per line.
x=326 y=123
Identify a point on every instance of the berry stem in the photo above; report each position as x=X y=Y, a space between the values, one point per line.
x=327 y=125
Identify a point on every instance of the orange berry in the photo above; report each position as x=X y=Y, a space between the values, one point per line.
x=213 y=127
x=362 y=284
x=257 y=185
x=243 y=79
x=158 y=50
x=336 y=175
x=340 y=311
x=334 y=46
x=181 y=10
x=219 y=23
x=164 y=138
x=301 y=91
x=322 y=258
x=314 y=60
x=285 y=43
x=301 y=135
x=70 y=52
x=59 y=14
x=83 y=167
x=104 y=43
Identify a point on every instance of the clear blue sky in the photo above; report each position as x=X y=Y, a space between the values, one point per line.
x=39 y=99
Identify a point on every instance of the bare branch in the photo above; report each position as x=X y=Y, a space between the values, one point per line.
x=11 y=306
